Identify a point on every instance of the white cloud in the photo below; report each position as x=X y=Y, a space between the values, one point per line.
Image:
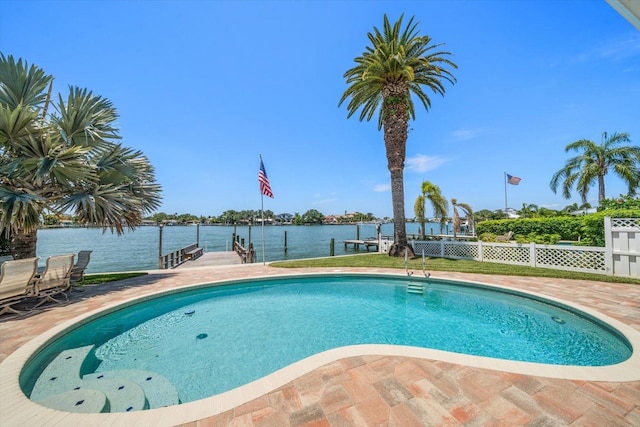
x=422 y=163
x=615 y=50
x=466 y=134
x=381 y=188
x=324 y=201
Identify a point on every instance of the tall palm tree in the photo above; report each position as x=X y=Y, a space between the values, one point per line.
x=432 y=193
x=594 y=162
x=66 y=161
x=399 y=63
x=457 y=222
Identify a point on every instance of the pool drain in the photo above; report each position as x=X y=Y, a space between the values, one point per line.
x=201 y=336
x=558 y=320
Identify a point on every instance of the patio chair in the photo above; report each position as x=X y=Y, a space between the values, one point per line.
x=55 y=279
x=16 y=282
x=505 y=237
x=77 y=272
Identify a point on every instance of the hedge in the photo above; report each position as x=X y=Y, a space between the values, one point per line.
x=587 y=229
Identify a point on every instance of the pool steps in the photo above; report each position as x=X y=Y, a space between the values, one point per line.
x=61 y=386
x=415 y=288
x=62 y=374
x=84 y=400
x=158 y=390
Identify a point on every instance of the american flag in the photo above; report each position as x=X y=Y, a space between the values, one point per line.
x=265 y=188
x=513 y=180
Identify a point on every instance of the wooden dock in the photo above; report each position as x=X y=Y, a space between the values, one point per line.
x=366 y=243
x=209 y=259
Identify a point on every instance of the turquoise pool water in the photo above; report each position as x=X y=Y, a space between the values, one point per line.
x=213 y=339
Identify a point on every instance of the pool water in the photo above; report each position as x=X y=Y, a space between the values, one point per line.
x=213 y=339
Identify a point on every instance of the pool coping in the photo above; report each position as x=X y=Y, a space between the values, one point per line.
x=17 y=408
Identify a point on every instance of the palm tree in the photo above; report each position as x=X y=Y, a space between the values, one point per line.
x=432 y=193
x=398 y=63
x=595 y=162
x=529 y=211
x=64 y=162
x=468 y=211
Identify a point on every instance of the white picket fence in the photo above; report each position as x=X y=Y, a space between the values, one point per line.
x=619 y=257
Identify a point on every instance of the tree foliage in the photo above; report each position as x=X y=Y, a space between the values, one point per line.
x=594 y=162
x=397 y=64
x=64 y=157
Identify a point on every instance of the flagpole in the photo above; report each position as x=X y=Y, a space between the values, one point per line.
x=262 y=217
x=504 y=178
x=262 y=228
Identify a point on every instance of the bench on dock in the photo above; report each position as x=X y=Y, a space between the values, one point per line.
x=191 y=252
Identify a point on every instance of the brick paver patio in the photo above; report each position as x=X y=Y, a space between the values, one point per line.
x=375 y=390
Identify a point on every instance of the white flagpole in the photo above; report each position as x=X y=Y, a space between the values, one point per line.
x=262 y=217
x=505 y=193
x=262 y=228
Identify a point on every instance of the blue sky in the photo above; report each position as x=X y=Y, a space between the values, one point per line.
x=204 y=87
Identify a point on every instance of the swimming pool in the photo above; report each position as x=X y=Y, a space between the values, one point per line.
x=217 y=327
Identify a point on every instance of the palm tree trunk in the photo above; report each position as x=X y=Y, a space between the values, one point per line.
x=601 y=195
x=23 y=243
x=395 y=113
x=399 y=220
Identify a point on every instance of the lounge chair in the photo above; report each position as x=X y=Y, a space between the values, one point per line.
x=16 y=282
x=505 y=237
x=77 y=273
x=55 y=279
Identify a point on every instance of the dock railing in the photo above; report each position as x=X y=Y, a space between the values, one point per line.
x=247 y=255
x=173 y=259
x=170 y=260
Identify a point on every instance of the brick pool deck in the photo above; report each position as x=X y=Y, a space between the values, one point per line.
x=369 y=389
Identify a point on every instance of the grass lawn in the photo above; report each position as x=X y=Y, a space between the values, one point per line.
x=94 y=279
x=443 y=264
x=385 y=261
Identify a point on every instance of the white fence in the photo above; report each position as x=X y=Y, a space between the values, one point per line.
x=619 y=257
x=622 y=240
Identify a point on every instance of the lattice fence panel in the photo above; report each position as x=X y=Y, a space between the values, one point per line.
x=625 y=222
x=431 y=248
x=578 y=260
x=460 y=250
x=505 y=253
x=625 y=246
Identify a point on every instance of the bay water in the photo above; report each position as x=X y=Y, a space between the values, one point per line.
x=139 y=249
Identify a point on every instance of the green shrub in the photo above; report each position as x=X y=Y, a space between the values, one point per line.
x=620 y=203
x=593 y=225
x=587 y=229
x=487 y=237
x=566 y=227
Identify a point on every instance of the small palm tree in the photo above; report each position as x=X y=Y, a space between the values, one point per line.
x=595 y=162
x=398 y=63
x=529 y=211
x=432 y=193
x=457 y=222
x=64 y=162
x=419 y=211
